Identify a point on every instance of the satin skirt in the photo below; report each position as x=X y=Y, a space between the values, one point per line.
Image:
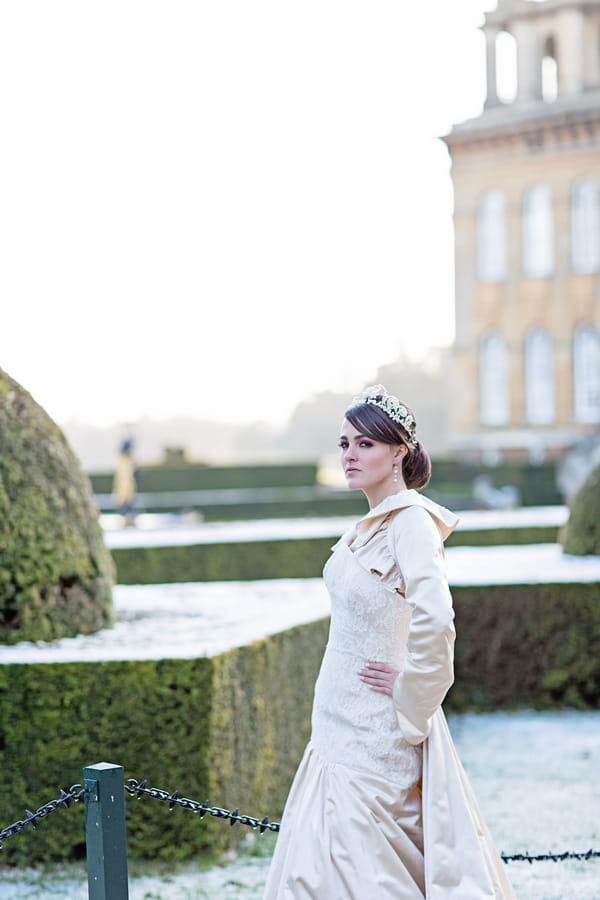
x=347 y=835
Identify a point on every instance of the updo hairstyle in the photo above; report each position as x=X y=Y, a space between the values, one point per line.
x=374 y=422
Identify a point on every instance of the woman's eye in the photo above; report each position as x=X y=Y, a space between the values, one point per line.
x=343 y=445
x=366 y=444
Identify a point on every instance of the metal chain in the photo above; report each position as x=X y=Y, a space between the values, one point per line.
x=140 y=789
x=75 y=793
x=554 y=857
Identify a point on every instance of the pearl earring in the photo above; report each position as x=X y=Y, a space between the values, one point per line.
x=395 y=470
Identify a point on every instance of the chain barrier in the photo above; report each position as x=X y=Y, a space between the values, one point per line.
x=74 y=794
x=140 y=789
x=553 y=857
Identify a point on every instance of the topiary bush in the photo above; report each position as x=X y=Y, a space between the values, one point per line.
x=581 y=535
x=56 y=574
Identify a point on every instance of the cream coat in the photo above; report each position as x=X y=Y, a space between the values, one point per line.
x=396 y=540
x=380 y=808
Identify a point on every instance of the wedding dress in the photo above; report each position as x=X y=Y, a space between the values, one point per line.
x=380 y=807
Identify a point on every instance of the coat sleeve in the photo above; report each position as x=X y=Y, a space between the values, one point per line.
x=428 y=671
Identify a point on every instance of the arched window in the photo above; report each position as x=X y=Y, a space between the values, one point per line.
x=585 y=227
x=538 y=232
x=506 y=67
x=586 y=374
x=493 y=380
x=491 y=237
x=539 y=378
x=549 y=72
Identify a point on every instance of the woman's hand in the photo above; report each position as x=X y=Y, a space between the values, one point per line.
x=379 y=676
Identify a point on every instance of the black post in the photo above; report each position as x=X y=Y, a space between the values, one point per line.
x=106 y=838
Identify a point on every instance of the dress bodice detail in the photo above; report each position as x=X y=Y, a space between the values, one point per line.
x=366 y=618
x=368 y=622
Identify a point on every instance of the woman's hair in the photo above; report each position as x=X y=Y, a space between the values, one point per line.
x=374 y=422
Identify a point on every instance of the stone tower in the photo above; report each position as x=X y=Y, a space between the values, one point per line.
x=526 y=176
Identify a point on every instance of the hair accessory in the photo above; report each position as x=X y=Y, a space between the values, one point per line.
x=377 y=395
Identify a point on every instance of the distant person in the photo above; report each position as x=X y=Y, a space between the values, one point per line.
x=124 y=483
x=380 y=807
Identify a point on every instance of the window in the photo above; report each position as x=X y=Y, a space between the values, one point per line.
x=491 y=237
x=549 y=72
x=506 y=67
x=586 y=374
x=539 y=378
x=538 y=232
x=585 y=227
x=493 y=380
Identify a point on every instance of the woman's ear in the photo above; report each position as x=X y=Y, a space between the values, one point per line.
x=401 y=452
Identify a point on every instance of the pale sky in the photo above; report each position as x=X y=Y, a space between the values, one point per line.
x=216 y=208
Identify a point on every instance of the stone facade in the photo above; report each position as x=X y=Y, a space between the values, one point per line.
x=526 y=176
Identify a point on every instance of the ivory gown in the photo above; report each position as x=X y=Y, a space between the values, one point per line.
x=380 y=807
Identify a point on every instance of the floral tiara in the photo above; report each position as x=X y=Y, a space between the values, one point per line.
x=377 y=395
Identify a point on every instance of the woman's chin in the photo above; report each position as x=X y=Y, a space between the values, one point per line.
x=353 y=482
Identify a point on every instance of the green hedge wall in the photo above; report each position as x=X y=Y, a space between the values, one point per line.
x=196 y=477
x=231 y=729
x=527 y=646
x=252 y=560
x=536 y=483
x=349 y=504
x=451 y=481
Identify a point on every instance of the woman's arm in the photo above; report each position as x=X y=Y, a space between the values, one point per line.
x=428 y=672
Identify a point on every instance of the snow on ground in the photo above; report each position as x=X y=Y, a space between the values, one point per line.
x=192 y=620
x=176 y=621
x=163 y=530
x=535 y=776
x=535 y=773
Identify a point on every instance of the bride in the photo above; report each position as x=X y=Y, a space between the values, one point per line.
x=380 y=807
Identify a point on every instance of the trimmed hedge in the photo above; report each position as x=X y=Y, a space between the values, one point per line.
x=55 y=571
x=197 y=476
x=536 y=484
x=532 y=645
x=581 y=535
x=231 y=729
x=336 y=504
x=239 y=561
x=451 y=483
x=255 y=560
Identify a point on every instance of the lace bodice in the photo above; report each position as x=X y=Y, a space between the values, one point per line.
x=352 y=724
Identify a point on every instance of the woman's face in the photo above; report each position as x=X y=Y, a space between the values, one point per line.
x=369 y=464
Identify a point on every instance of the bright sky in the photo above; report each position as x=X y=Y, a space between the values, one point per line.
x=218 y=207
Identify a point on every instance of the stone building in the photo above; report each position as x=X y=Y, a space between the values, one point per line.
x=526 y=176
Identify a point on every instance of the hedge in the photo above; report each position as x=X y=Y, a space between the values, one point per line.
x=581 y=534
x=231 y=729
x=451 y=482
x=334 y=504
x=532 y=645
x=292 y=558
x=56 y=574
x=196 y=476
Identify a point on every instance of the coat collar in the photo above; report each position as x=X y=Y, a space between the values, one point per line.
x=445 y=520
